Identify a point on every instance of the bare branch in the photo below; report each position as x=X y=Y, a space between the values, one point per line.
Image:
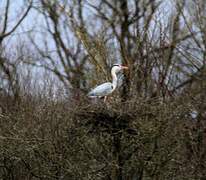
x=6 y=17
x=5 y=34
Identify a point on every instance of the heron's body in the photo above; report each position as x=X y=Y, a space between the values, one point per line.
x=103 y=90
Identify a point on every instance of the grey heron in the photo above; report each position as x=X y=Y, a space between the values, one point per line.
x=103 y=90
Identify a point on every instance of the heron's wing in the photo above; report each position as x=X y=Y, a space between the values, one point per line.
x=101 y=90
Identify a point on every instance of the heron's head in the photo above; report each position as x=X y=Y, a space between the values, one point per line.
x=118 y=67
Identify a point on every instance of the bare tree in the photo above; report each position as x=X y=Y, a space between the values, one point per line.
x=61 y=54
x=8 y=69
x=153 y=129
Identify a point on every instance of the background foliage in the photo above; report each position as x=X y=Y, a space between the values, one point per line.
x=153 y=127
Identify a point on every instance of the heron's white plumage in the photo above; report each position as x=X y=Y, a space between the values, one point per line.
x=101 y=90
x=107 y=88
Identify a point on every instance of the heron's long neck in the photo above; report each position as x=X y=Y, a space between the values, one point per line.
x=114 y=79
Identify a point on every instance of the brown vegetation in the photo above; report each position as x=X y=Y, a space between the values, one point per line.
x=153 y=127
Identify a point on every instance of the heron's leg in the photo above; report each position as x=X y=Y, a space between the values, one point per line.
x=105 y=98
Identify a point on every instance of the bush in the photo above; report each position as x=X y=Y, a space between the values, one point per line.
x=137 y=139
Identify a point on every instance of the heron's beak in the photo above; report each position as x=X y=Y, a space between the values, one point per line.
x=124 y=67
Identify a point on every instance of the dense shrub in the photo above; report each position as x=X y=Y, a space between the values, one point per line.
x=140 y=139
